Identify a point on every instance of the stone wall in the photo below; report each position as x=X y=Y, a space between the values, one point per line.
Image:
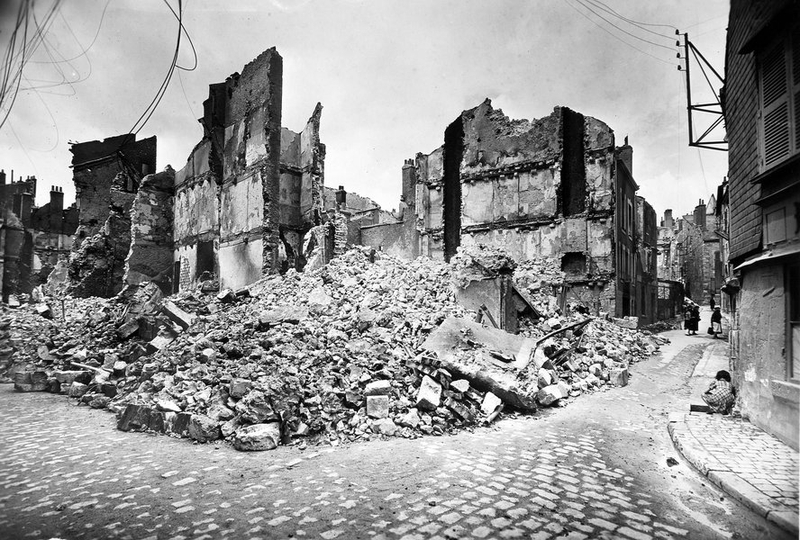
x=250 y=189
x=759 y=370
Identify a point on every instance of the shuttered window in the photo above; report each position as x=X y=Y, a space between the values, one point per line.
x=779 y=82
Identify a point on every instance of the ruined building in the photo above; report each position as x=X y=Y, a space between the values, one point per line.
x=107 y=175
x=553 y=187
x=690 y=252
x=246 y=199
x=32 y=239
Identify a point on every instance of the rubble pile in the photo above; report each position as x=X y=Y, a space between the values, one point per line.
x=333 y=355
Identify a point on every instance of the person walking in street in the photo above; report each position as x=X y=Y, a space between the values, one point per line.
x=716 y=322
x=712 y=303
x=720 y=395
x=695 y=319
x=687 y=319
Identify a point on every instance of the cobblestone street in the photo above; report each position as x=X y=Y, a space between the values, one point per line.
x=595 y=469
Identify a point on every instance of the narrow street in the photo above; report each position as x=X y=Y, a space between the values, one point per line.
x=594 y=469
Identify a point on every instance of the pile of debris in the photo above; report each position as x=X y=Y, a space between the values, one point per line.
x=351 y=351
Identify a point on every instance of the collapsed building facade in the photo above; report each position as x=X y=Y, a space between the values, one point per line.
x=555 y=187
x=107 y=175
x=246 y=199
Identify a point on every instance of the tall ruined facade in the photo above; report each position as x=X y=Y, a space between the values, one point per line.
x=107 y=175
x=250 y=189
x=553 y=187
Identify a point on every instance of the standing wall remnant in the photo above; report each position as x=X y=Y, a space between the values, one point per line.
x=250 y=190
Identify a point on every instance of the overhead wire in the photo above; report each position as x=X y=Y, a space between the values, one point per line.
x=581 y=2
x=616 y=36
x=148 y=112
x=641 y=25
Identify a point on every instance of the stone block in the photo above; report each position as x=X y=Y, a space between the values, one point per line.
x=490 y=403
x=159 y=343
x=67 y=377
x=134 y=417
x=44 y=311
x=460 y=385
x=429 y=394
x=77 y=389
x=549 y=394
x=378 y=406
x=203 y=429
x=378 y=388
x=618 y=376
x=385 y=426
x=128 y=329
x=257 y=437
x=545 y=378
x=178 y=423
x=177 y=315
x=410 y=419
x=239 y=387
x=226 y=296
x=99 y=402
x=283 y=314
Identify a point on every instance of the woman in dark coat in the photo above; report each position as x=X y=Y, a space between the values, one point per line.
x=695 y=318
x=687 y=319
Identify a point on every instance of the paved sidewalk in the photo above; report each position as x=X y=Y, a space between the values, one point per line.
x=749 y=464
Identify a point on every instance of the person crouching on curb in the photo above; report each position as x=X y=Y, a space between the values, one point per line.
x=720 y=395
x=716 y=322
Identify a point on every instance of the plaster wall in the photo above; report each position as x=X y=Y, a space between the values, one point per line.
x=196 y=211
x=760 y=373
x=241 y=207
x=239 y=263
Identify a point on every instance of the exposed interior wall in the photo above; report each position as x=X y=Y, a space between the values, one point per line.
x=251 y=189
x=150 y=257
x=543 y=187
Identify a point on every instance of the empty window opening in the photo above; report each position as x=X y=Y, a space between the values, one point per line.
x=573 y=264
x=205 y=258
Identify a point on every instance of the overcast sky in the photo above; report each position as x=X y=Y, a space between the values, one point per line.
x=391 y=75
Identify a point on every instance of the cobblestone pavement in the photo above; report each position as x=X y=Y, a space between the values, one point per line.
x=595 y=469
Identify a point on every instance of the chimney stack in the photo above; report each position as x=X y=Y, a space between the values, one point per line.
x=56 y=199
x=341 y=198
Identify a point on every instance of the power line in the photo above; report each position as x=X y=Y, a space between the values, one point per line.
x=616 y=36
x=623 y=30
x=638 y=24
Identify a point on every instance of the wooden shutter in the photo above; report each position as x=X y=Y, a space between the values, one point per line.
x=795 y=53
x=775 y=105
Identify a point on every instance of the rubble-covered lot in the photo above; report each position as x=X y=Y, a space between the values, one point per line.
x=364 y=347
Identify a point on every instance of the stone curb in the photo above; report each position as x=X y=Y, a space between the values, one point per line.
x=728 y=481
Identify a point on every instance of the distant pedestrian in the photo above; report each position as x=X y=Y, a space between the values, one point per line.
x=687 y=319
x=694 y=319
x=720 y=395
x=716 y=322
x=712 y=304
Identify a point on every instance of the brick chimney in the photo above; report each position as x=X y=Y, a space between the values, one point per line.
x=700 y=214
x=409 y=182
x=625 y=155
x=341 y=198
x=56 y=199
x=668 y=221
x=2 y=177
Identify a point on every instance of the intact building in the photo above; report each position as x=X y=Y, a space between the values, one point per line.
x=762 y=117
